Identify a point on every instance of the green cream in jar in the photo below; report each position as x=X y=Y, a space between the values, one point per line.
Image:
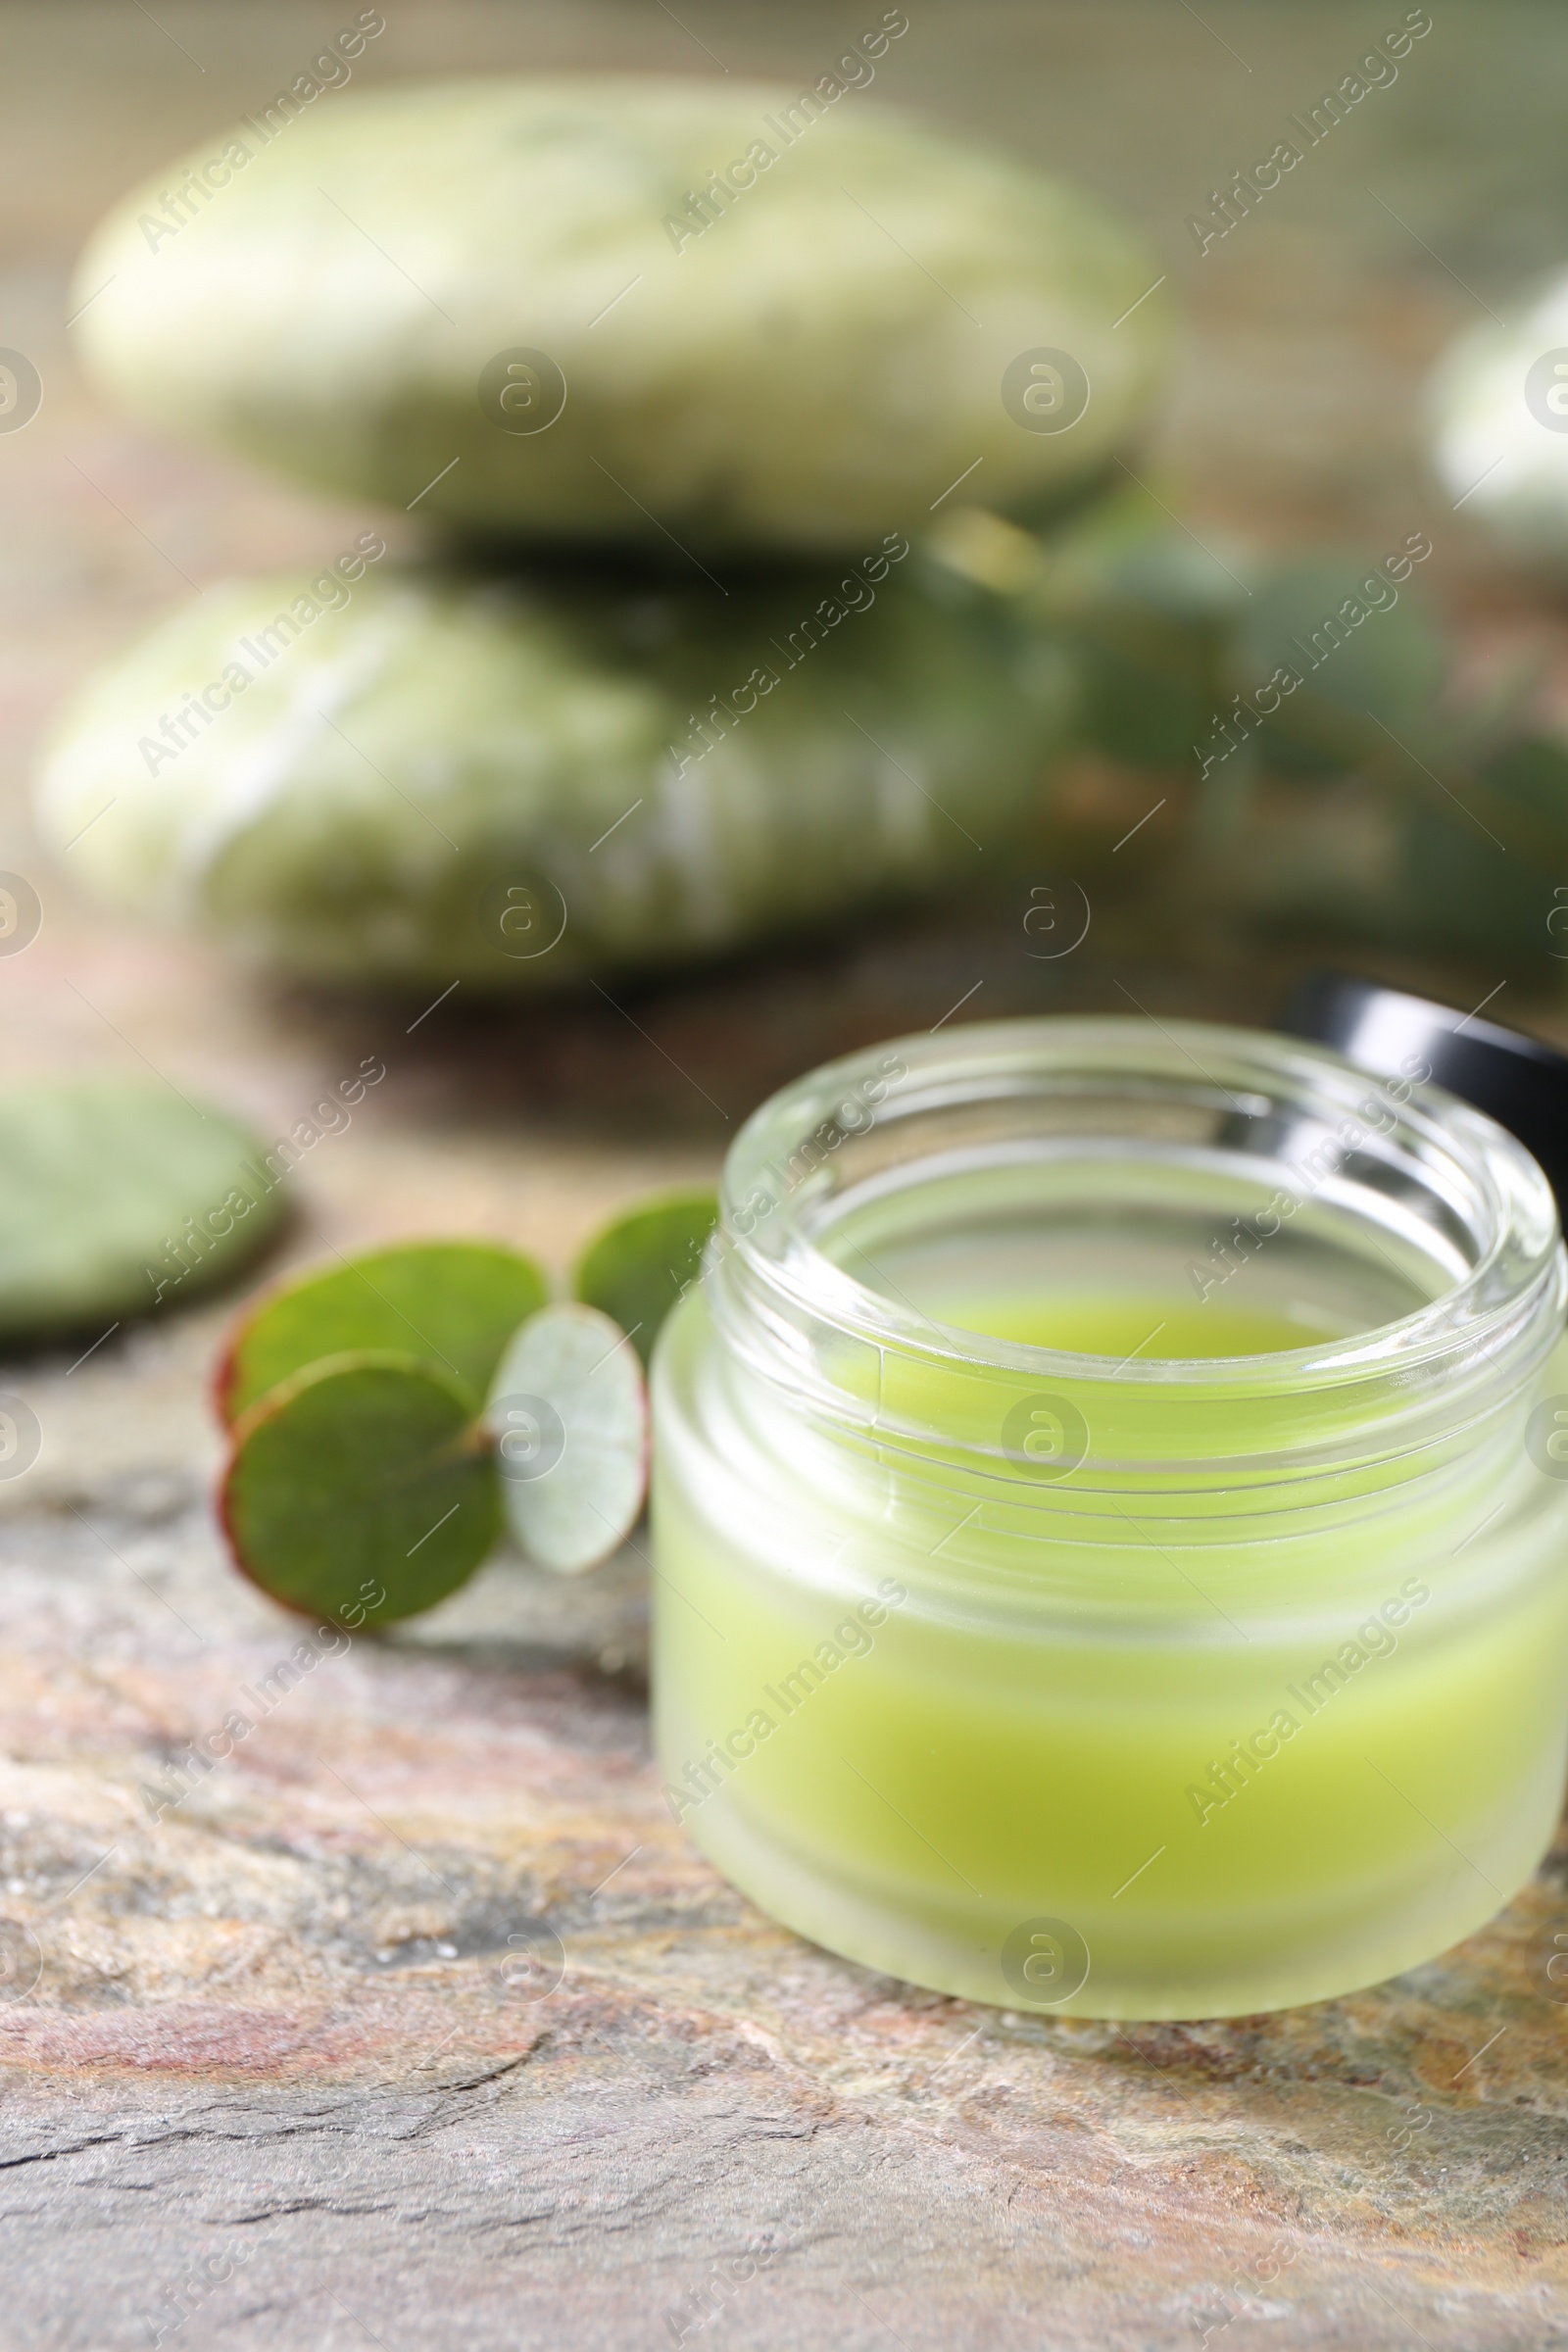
x=1110 y=1529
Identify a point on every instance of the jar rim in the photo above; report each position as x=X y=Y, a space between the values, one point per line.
x=773 y=1179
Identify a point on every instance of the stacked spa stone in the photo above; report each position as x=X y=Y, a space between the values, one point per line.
x=682 y=374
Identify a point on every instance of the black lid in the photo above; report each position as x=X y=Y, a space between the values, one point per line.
x=1520 y=1082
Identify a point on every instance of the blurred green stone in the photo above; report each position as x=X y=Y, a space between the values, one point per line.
x=692 y=315
x=522 y=783
x=1497 y=414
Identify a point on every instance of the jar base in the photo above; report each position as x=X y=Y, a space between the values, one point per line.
x=841 y=1919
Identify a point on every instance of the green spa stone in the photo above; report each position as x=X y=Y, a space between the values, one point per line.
x=1496 y=412
x=728 y=316
x=116 y=1196
x=524 y=784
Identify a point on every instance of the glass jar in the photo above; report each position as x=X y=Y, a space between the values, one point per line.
x=1109 y=1528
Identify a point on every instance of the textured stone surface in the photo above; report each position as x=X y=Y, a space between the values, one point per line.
x=277 y=2021
x=280 y=2030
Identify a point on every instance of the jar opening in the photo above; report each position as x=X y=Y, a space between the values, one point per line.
x=1093 y=1206
x=1149 y=1252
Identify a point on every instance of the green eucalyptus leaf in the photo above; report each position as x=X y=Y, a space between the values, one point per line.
x=1524 y=786
x=361 y=1490
x=569 y=1412
x=1154 y=647
x=1367 y=655
x=1147 y=614
x=1486 y=860
x=635 y=1270
x=116 y=1196
x=1223 y=800
x=449 y=1305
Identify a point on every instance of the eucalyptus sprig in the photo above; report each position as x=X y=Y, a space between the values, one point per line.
x=390 y=1413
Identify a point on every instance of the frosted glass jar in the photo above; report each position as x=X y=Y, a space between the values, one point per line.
x=1012 y=1648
